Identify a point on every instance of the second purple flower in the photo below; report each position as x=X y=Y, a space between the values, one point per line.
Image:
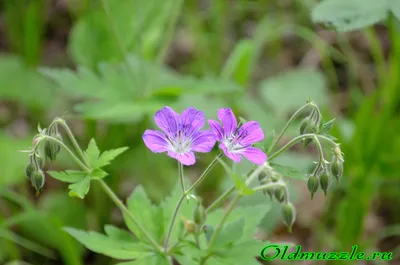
x=237 y=142
x=182 y=136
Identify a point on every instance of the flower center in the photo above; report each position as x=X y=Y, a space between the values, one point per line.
x=181 y=143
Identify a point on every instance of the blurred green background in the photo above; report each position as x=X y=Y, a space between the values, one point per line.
x=107 y=66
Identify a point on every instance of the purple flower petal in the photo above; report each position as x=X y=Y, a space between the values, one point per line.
x=203 y=142
x=254 y=155
x=167 y=120
x=155 y=141
x=186 y=159
x=217 y=129
x=252 y=133
x=192 y=120
x=234 y=157
x=228 y=120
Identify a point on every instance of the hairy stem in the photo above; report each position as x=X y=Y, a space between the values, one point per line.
x=294 y=116
x=185 y=194
x=220 y=199
x=126 y=211
x=181 y=177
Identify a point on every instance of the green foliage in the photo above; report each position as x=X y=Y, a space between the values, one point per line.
x=81 y=188
x=119 y=249
x=110 y=95
x=289 y=90
x=30 y=89
x=109 y=28
x=353 y=15
x=16 y=161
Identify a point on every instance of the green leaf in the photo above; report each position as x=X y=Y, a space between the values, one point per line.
x=147 y=214
x=80 y=188
x=107 y=156
x=107 y=246
x=92 y=152
x=326 y=127
x=31 y=90
x=98 y=174
x=232 y=232
x=350 y=15
x=287 y=91
x=118 y=234
x=92 y=38
x=69 y=176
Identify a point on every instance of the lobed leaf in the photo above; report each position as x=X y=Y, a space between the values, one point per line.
x=80 y=188
x=110 y=247
x=69 y=176
x=107 y=156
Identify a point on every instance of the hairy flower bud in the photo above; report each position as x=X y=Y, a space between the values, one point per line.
x=324 y=181
x=29 y=169
x=336 y=169
x=280 y=194
x=288 y=215
x=336 y=166
x=37 y=180
x=51 y=149
x=199 y=214
x=305 y=124
x=270 y=191
x=312 y=185
x=262 y=177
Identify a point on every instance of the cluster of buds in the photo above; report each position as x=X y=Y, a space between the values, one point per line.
x=322 y=174
x=280 y=193
x=34 y=169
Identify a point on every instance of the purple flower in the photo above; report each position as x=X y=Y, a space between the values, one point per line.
x=237 y=141
x=181 y=137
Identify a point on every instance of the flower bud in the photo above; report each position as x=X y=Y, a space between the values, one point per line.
x=37 y=180
x=324 y=181
x=270 y=191
x=29 y=169
x=336 y=169
x=40 y=162
x=280 y=194
x=190 y=226
x=312 y=185
x=199 y=214
x=305 y=123
x=51 y=149
x=288 y=215
x=262 y=177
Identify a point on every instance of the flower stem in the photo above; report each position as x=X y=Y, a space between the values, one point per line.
x=126 y=211
x=181 y=177
x=230 y=209
x=224 y=217
x=77 y=160
x=297 y=139
x=294 y=116
x=184 y=195
x=109 y=192
x=220 y=199
x=71 y=137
